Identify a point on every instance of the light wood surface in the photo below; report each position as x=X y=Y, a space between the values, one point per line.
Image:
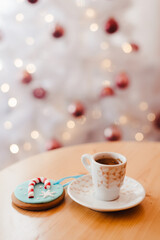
x=72 y=221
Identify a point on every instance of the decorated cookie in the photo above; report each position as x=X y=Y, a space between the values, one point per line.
x=38 y=194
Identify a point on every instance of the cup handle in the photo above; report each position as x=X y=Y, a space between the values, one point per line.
x=84 y=159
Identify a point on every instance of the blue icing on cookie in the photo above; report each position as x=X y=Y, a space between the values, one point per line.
x=40 y=193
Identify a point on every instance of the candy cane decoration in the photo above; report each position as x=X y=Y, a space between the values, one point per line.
x=34 y=181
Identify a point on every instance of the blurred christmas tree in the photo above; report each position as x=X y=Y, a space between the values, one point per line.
x=72 y=72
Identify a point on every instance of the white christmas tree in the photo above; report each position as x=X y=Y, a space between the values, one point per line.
x=72 y=72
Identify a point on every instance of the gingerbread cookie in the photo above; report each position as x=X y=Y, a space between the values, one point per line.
x=38 y=194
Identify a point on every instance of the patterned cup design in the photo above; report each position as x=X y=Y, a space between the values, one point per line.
x=110 y=177
x=107 y=179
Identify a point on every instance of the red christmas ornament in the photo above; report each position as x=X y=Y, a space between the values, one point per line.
x=111 y=26
x=122 y=80
x=135 y=47
x=76 y=109
x=27 y=77
x=157 y=121
x=39 y=93
x=32 y=1
x=112 y=133
x=58 y=31
x=53 y=144
x=107 y=91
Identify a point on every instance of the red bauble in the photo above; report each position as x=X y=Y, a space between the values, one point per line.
x=58 y=31
x=53 y=144
x=111 y=26
x=27 y=77
x=135 y=47
x=76 y=109
x=32 y=1
x=112 y=133
x=39 y=93
x=157 y=121
x=122 y=80
x=107 y=91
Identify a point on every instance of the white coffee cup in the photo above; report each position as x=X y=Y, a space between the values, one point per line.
x=107 y=179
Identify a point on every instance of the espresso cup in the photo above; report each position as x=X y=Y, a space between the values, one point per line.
x=107 y=175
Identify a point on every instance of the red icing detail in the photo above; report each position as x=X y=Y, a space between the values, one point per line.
x=31 y=190
x=48 y=184
x=39 y=179
x=44 y=180
x=31 y=184
x=31 y=197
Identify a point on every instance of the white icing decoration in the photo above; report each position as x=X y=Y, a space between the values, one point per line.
x=20 y=188
x=48 y=193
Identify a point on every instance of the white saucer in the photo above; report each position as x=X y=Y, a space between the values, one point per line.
x=81 y=191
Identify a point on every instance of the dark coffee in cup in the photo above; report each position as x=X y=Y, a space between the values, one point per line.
x=109 y=161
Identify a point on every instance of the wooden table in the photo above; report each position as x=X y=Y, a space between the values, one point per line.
x=72 y=221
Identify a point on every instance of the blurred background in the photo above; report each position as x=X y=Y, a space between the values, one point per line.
x=77 y=71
